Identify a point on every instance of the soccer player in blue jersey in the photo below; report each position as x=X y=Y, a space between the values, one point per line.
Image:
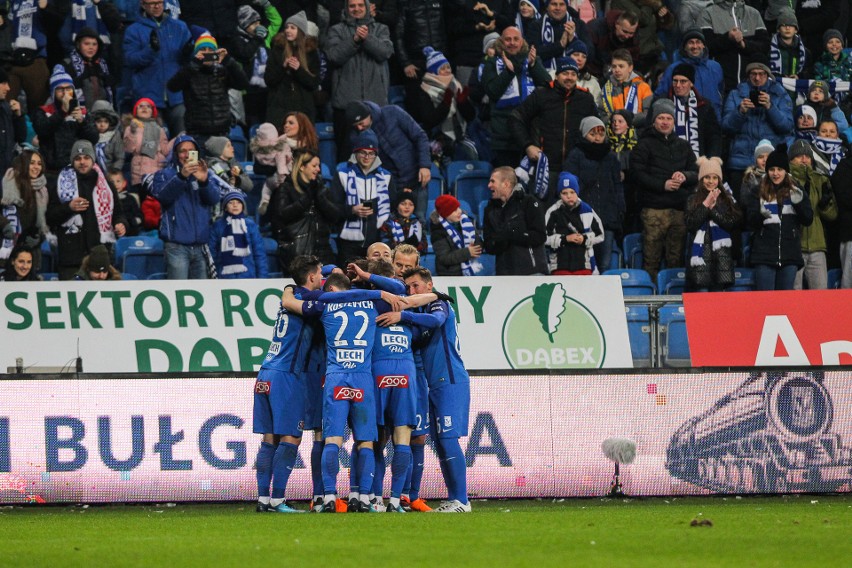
x=449 y=387
x=279 y=395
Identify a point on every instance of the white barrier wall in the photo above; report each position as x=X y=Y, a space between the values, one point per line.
x=225 y=325
x=189 y=438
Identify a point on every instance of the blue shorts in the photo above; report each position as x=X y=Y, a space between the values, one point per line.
x=396 y=392
x=349 y=396
x=421 y=412
x=313 y=400
x=279 y=403
x=450 y=408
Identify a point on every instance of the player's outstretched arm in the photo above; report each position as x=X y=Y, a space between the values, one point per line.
x=290 y=302
x=417 y=300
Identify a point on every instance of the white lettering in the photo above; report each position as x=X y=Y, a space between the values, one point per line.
x=775 y=328
x=832 y=350
x=350 y=355
x=555 y=357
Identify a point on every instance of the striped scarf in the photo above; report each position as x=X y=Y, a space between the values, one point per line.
x=102 y=201
x=79 y=66
x=539 y=172
x=467 y=238
x=10 y=212
x=361 y=187
x=519 y=88
x=719 y=237
x=234 y=244
x=686 y=120
x=587 y=215
x=772 y=206
x=775 y=61
x=85 y=14
x=398 y=232
x=830 y=148
x=631 y=99
x=29 y=30
x=548 y=36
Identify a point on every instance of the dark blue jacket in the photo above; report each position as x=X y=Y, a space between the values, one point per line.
x=150 y=70
x=600 y=181
x=747 y=130
x=185 y=202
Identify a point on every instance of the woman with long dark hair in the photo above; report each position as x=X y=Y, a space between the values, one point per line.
x=302 y=212
x=23 y=206
x=20 y=267
x=775 y=215
x=293 y=71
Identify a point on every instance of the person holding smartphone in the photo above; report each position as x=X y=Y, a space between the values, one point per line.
x=365 y=187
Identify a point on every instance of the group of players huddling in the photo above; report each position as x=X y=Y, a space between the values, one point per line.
x=360 y=351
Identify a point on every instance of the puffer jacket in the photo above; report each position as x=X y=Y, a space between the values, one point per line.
x=777 y=244
x=599 y=172
x=718 y=267
x=205 y=93
x=151 y=70
x=448 y=258
x=747 y=130
x=56 y=135
x=514 y=231
x=360 y=69
x=288 y=208
x=653 y=161
x=420 y=24
x=185 y=202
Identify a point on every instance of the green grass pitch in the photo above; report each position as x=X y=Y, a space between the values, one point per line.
x=796 y=530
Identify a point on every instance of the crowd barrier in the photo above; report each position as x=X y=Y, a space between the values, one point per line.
x=187 y=437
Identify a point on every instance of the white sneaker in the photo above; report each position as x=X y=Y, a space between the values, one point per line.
x=378 y=505
x=454 y=506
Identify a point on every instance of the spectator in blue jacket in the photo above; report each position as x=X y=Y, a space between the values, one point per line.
x=154 y=48
x=403 y=147
x=235 y=241
x=759 y=108
x=709 y=80
x=186 y=190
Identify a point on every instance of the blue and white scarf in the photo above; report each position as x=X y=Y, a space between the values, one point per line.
x=415 y=229
x=467 y=238
x=519 y=89
x=360 y=187
x=519 y=21
x=631 y=100
x=719 y=237
x=830 y=148
x=234 y=244
x=775 y=62
x=85 y=14
x=258 y=68
x=79 y=66
x=587 y=216
x=772 y=206
x=10 y=212
x=539 y=172
x=29 y=30
x=686 y=121
x=837 y=89
x=548 y=36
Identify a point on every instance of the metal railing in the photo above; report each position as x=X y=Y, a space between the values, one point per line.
x=654 y=303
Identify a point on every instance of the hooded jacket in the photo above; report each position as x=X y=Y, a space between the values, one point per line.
x=815 y=186
x=185 y=202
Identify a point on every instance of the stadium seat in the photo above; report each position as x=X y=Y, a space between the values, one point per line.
x=396 y=95
x=457 y=167
x=472 y=186
x=746 y=248
x=834 y=277
x=743 y=280
x=247 y=167
x=48 y=257
x=428 y=261
x=634 y=281
x=671 y=280
x=253 y=131
x=632 y=248
x=129 y=276
x=49 y=276
x=157 y=276
x=639 y=333
x=489 y=265
x=673 y=339
x=271 y=248
x=436 y=184
x=325 y=172
x=327 y=144
x=239 y=142
x=142 y=262
x=480 y=212
x=253 y=196
x=137 y=243
x=617 y=259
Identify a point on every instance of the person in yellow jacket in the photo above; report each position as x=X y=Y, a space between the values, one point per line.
x=624 y=89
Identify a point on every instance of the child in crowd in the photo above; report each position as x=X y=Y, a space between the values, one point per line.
x=454 y=239
x=711 y=216
x=622 y=139
x=129 y=201
x=805 y=117
x=828 y=147
x=834 y=63
x=819 y=97
x=788 y=56
x=573 y=229
x=221 y=161
x=151 y=209
x=528 y=20
x=404 y=226
x=110 y=147
x=625 y=89
x=235 y=241
x=267 y=149
x=755 y=172
x=145 y=138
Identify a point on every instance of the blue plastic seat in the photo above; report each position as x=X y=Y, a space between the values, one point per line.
x=327 y=143
x=144 y=262
x=138 y=243
x=671 y=280
x=743 y=280
x=49 y=276
x=436 y=184
x=632 y=248
x=834 y=277
x=472 y=186
x=457 y=167
x=746 y=248
x=129 y=276
x=396 y=95
x=639 y=333
x=674 y=341
x=239 y=142
x=48 y=257
x=271 y=248
x=428 y=261
x=634 y=281
x=616 y=260
x=480 y=212
x=253 y=131
x=489 y=265
x=325 y=172
x=157 y=276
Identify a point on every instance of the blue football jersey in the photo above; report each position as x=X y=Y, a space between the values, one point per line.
x=442 y=352
x=291 y=340
x=350 y=329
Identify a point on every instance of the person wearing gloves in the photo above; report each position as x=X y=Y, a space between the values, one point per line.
x=573 y=230
x=251 y=49
x=454 y=239
x=235 y=241
x=818 y=189
x=775 y=216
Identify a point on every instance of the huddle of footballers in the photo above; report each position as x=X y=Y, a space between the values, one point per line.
x=377 y=350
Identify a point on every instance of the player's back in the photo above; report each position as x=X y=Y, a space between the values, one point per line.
x=442 y=353
x=350 y=329
x=291 y=340
x=393 y=343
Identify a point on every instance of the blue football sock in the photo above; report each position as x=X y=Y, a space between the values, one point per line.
x=366 y=467
x=379 y=473
x=265 y=453
x=316 y=467
x=455 y=469
x=399 y=467
x=330 y=468
x=406 y=487
x=418 y=455
x=282 y=467
x=353 y=469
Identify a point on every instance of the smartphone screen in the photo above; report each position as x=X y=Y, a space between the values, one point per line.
x=192 y=156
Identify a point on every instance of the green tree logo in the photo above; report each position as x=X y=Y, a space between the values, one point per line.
x=552 y=330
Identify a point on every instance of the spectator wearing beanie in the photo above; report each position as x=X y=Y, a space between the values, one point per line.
x=221 y=162
x=755 y=172
x=292 y=72
x=561 y=26
x=695 y=119
x=366 y=189
x=663 y=168
x=708 y=80
x=815 y=18
x=528 y=20
x=97 y=266
x=712 y=217
x=60 y=123
x=819 y=97
x=454 y=239
x=833 y=63
x=404 y=227
x=145 y=138
x=251 y=50
x=236 y=244
x=573 y=230
x=579 y=52
x=788 y=56
x=775 y=215
x=817 y=188
x=110 y=146
x=420 y=25
x=88 y=67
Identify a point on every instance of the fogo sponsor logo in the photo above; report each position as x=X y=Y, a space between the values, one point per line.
x=261 y=387
x=390 y=381
x=348 y=393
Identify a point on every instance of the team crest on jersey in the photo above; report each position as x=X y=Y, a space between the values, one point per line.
x=348 y=393
x=448 y=422
x=261 y=387
x=301 y=425
x=391 y=381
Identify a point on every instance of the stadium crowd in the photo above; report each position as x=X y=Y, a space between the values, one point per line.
x=718 y=129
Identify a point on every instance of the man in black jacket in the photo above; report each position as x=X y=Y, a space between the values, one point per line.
x=549 y=119
x=13 y=125
x=695 y=119
x=421 y=24
x=664 y=170
x=514 y=229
